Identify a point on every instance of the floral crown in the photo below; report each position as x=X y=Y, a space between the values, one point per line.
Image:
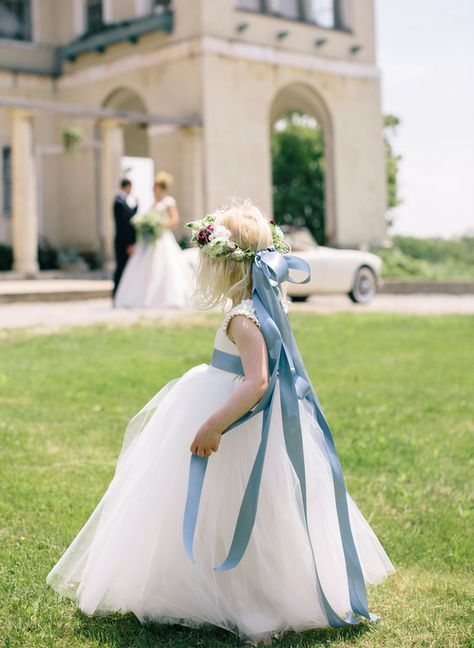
x=215 y=240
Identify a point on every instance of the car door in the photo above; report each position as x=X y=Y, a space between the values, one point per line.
x=336 y=268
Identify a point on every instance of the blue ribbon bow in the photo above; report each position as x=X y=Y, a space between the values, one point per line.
x=270 y=269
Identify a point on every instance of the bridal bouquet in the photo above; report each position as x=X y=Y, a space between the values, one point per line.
x=149 y=225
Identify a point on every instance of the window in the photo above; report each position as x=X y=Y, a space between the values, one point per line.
x=328 y=13
x=286 y=8
x=251 y=5
x=7 y=180
x=322 y=12
x=332 y=14
x=94 y=16
x=15 y=19
x=161 y=5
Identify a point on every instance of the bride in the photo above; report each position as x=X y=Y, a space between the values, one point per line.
x=157 y=274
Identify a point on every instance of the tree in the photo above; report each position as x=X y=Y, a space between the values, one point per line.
x=392 y=162
x=298 y=173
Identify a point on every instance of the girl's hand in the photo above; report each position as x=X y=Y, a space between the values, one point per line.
x=207 y=439
x=253 y=353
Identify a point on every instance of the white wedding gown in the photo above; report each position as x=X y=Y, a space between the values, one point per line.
x=157 y=275
x=130 y=555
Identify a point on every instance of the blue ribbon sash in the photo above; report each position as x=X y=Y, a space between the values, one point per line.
x=285 y=365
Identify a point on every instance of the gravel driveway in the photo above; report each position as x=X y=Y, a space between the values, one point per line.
x=53 y=316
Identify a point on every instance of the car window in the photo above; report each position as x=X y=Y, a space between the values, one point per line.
x=300 y=239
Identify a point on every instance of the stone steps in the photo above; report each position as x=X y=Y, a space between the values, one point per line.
x=52 y=289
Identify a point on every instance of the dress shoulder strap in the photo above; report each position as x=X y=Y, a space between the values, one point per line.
x=169 y=201
x=245 y=308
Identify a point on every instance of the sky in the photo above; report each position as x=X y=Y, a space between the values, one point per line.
x=426 y=55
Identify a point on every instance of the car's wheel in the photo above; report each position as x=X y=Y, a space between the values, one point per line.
x=365 y=286
x=299 y=298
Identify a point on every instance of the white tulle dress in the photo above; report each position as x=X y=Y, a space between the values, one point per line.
x=130 y=555
x=157 y=275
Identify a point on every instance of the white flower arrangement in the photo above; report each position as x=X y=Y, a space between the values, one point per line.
x=149 y=225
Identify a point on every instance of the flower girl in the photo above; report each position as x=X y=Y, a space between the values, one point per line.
x=228 y=504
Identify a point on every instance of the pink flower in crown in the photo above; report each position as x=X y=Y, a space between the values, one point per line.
x=204 y=235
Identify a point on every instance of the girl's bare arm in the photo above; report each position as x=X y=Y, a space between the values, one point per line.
x=253 y=353
x=173 y=217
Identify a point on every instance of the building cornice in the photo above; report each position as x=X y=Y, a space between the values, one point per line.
x=213 y=45
x=277 y=56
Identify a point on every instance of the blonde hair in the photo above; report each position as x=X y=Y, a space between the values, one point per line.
x=219 y=280
x=163 y=179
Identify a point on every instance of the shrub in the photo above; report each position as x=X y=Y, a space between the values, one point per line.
x=6 y=257
x=431 y=258
x=49 y=258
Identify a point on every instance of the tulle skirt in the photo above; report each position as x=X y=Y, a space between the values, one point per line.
x=130 y=556
x=157 y=275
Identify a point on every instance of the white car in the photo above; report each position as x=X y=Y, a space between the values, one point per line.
x=350 y=272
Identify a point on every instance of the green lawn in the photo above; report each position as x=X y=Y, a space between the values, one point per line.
x=397 y=391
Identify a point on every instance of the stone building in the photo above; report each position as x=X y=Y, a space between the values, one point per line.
x=195 y=85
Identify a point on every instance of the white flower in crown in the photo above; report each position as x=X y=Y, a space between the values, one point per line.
x=220 y=232
x=222 y=243
x=237 y=255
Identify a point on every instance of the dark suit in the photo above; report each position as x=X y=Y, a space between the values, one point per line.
x=124 y=234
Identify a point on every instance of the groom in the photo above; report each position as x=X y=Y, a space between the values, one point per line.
x=124 y=230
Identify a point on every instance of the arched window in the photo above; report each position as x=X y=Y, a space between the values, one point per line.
x=15 y=19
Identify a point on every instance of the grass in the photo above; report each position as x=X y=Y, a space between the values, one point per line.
x=429 y=258
x=397 y=391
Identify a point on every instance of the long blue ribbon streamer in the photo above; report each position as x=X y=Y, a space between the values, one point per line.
x=270 y=269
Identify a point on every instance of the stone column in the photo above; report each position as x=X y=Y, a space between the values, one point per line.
x=24 y=192
x=194 y=198
x=112 y=152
